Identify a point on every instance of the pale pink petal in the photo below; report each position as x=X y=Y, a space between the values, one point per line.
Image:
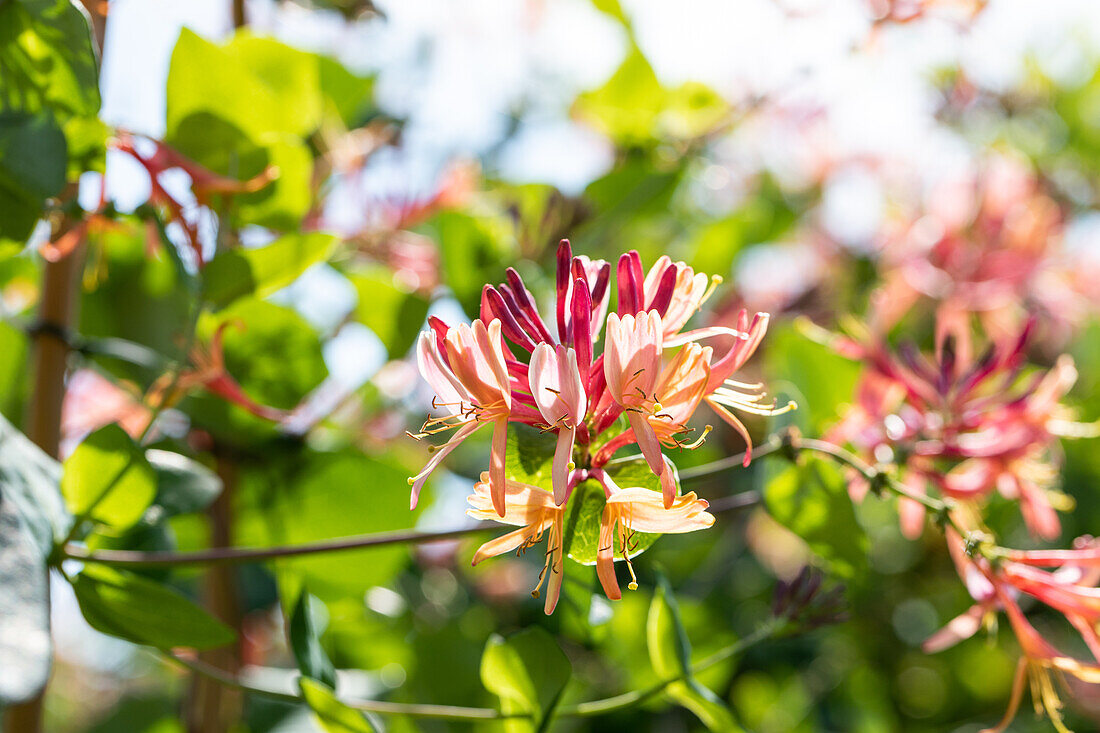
x=442 y=452
x=699 y=334
x=497 y=478
x=437 y=374
x=957 y=629
x=563 y=464
x=647 y=441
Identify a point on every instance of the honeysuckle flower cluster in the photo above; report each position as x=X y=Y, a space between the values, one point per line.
x=996 y=583
x=965 y=428
x=991 y=249
x=511 y=366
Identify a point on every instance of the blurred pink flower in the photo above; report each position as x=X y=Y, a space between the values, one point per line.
x=965 y=428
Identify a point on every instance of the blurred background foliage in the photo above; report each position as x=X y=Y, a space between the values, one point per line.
x=370 y=212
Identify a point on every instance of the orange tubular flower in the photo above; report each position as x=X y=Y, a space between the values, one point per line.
x=533 y=510
x=681 y=387
x=1039 y=660
x=471 y=377
x=725 y=394
x=638 y=509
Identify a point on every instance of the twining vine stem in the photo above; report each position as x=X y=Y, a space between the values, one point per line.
x=789 y=441
x=456 y=712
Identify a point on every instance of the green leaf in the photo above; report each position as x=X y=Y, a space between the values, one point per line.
x=347 y=96
x=394 y=313
x=255 y=102
x=281 y=204
x=33 y=163
x=320 y=496
x=816 y=377
x=183 y=484
x=529 y=455
x=144 y=299
x=305 y=641
x=46 y=59
x=582 y=523
x=691 y=110
x=108 y=479
x=29 y=479
x=139 y=610
x=87 y=141
x=14 y=370
x=263 y=270
x=811 y=499
x=273 y=353
x=471 y=249
x=634 y=109
x=626 y=107
x=24 y=607
x=333 y=715
x=251 y=114
x=528 y=672
x=670 y=655
x=292 y=77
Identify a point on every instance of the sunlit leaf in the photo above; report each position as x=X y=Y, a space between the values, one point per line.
x=249 y=116
x=813 y=375
x=33 y=162
x=333 y=715
x=305 y=641
x=528 y=672
x=347 y=95
x=32 y=519
x=183 y=484
x=670 y=655
x=321 y=496
x=290 y=76
x=139 y=610
x=626 y=107
x=263 y=270
x=394 y=313
x=46 y=58
x=633 y=108
x=281 y=204
x=109 y=479
x=811 y=499
x=471 y=249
